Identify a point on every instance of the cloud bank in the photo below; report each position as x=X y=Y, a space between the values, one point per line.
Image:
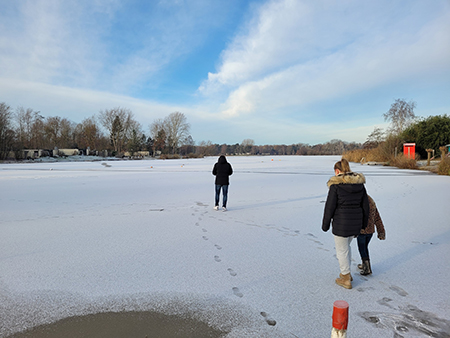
x=274 y=71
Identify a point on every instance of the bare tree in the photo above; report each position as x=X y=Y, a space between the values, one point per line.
x=6 y=131
x=158 y=134
x=247 y=145
x=374 y=138
x=119 y=124
x=89 y=134
x=59 y=132
x=401 y=114
x=172 y=132
x=177 y=129
x=25 y=119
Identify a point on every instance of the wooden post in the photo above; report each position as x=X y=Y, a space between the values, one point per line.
x=443 y=150
x=429 y=156
x=340 y=319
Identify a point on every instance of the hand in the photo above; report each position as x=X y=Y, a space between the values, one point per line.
x=382 y=236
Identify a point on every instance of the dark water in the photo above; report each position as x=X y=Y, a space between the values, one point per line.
x=123 y=324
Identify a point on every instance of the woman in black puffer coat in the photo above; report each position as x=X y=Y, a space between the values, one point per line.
x=222 y=170
x=347 y=208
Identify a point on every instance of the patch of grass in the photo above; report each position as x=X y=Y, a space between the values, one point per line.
x=170 y=157
x=444 y=167
x=403 y=162
x=192 y=155
x=380 y=154
x=367 y=155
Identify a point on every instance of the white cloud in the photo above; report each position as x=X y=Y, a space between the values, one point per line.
x=77 y=104
x=287 y=58
x=54 y=42
x=101 y=44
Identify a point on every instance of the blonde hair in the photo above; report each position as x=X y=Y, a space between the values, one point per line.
x=343 y=166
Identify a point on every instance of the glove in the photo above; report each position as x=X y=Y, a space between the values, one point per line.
x=382 y=236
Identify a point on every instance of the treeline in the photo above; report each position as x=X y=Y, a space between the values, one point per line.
x=334 y=147
x=117 y=132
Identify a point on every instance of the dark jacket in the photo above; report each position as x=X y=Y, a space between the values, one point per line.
x=222 y=170
x=347 y=205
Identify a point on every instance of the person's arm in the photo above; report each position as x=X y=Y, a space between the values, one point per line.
x=379 y=225
x=330 y=208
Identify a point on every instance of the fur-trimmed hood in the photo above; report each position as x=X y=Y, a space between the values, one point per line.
x=347 y=178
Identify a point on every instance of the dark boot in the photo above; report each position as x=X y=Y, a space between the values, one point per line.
x=367 y=270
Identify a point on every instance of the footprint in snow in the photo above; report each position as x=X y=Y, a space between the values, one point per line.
x=385 y=302
x=218 y=247
x=268 y=319
x=237 y=292
x=361 y=289
x=232 y=272
x=398 y=290
x=217 y=258
x=205 y=238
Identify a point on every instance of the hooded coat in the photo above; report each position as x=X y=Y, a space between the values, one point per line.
x=347 y=205
x=222 y=170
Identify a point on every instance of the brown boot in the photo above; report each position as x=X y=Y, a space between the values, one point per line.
x=342 y=276
x=344 y=281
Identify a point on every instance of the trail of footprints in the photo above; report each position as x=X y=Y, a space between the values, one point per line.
x=269 y=320
x=398 y=325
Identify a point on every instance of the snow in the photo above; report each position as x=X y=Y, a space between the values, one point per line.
x=86 y=237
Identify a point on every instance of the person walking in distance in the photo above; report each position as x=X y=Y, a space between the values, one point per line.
x=366 y=235
x=222 y=170
x=347 y=207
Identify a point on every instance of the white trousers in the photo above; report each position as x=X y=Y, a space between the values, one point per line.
x=343 y=252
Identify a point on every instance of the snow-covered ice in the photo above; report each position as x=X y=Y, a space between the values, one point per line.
x=84 y=237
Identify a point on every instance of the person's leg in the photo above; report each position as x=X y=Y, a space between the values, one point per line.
x=363 y=245
x=225 y=195
x=217 y=194
x=344 y=256
x=365 y=266
x=343 y=253
x=368 y=238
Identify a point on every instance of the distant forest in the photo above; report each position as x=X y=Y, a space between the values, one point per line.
x=115 y=132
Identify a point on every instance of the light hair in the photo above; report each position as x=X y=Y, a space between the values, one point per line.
x=343 y=166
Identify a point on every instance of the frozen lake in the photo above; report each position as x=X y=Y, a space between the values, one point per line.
x=85 y=237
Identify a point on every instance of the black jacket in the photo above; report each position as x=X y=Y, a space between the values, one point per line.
x=347 y=205
x=222 y=170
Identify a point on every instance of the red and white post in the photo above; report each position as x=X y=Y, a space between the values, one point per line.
x=340 y=319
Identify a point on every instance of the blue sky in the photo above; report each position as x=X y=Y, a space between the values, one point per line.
x=284 y=71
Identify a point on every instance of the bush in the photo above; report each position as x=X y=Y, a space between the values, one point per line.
x=170 y=157
x=192 y=155
x=379 y=155
x=402 y=162
x=366 y=155
x=444 y=166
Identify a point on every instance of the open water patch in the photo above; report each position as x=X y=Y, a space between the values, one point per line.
x=53 y=314
x=124 y=324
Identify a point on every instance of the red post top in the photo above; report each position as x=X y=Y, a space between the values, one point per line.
x=340 y=315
